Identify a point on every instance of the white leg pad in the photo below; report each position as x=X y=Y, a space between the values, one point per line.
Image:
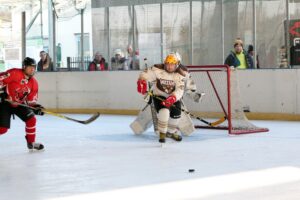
x=173 y=125
x=186 y=125
x=163 y=118
x=142 y=122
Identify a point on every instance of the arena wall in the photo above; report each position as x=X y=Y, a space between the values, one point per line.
x=269 y=94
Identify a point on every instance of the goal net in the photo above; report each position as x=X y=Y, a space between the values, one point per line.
x=221 y=101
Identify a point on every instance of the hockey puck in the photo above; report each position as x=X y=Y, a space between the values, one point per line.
x=191 y=170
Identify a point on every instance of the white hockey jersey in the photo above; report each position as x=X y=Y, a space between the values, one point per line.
x=165 y=83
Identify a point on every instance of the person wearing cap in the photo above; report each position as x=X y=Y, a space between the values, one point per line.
x=18 y=86
x=238 y=58
x=118 y=62
x=168 y=88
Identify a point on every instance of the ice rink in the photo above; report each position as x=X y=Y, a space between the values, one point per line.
x=105 y=160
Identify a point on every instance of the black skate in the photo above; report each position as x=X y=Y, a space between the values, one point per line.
x=174 y=136
x=35 y=146
x=162 y=137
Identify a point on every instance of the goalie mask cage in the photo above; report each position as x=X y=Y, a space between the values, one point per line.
x=222 y=99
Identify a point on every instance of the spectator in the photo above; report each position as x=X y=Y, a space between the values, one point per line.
x=132 y=58
x=98 y=64
x=250 y=52
x=118 y=62
x=239 y=58
x=58 y=55
x=45 y=64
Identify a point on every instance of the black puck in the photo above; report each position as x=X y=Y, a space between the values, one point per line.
x=191 y=170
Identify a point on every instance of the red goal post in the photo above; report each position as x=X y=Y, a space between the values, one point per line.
x=222 y=99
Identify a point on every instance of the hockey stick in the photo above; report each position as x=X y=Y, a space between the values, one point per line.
x=153 y=111
x=221 y=120
x=91 y=119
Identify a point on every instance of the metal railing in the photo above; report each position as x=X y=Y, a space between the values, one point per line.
x=74 y=64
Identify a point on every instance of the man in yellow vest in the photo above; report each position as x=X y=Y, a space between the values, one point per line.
x=239 y=58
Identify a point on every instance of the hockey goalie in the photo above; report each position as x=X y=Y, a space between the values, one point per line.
x=166 y=86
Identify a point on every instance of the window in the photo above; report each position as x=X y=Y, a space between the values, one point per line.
x=86 y=44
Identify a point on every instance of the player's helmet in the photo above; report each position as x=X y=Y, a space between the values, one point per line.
x=178 y=56
x=171 y=59
x=28 y=62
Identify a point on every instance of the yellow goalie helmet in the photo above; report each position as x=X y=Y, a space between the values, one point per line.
x=171 y=59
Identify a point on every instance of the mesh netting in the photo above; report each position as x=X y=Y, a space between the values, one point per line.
x=217 y=83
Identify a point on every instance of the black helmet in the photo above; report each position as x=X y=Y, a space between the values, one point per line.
x=28 y=62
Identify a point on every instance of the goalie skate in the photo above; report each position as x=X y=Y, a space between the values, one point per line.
x=174 y=136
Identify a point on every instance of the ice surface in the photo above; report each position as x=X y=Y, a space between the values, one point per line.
x=105 y=160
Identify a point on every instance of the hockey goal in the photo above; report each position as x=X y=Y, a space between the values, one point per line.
x=222 y=100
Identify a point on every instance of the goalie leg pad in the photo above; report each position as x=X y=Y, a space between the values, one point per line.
x=142 y=122
x=172 y=125
x=186 y=125
x=163 y=118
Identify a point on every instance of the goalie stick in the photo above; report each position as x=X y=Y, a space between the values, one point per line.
x=153 y=111
x=91 y=119
x=221 y=120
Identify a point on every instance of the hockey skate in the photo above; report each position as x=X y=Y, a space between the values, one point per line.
x=35 y=146
x=174 y=136
x=162 y=137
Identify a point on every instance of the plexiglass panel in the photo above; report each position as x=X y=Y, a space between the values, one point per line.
x=100 y=32
x=121 y=35
x=207 y=48
x=238 y=23
x=270 y=38
x=148 y=34
x=207 y=32
x=176 y=22
x=294 y=9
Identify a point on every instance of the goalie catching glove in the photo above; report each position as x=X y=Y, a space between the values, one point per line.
x=169 y=101
x=142 y=86
x=38 y=109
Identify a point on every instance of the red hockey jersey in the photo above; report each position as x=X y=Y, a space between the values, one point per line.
x=18 y=87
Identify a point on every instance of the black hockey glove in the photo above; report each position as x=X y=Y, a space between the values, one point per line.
x=38 y=109
x=2 y=96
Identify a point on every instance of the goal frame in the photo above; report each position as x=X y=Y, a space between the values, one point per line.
x=207 y=69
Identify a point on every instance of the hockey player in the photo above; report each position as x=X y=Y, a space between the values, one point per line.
x=18 y=86
x=168 y=89
x=147 y=116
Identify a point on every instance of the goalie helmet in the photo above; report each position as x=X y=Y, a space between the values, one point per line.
x=178 y=56
x=171 y=59
x=28 y=62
